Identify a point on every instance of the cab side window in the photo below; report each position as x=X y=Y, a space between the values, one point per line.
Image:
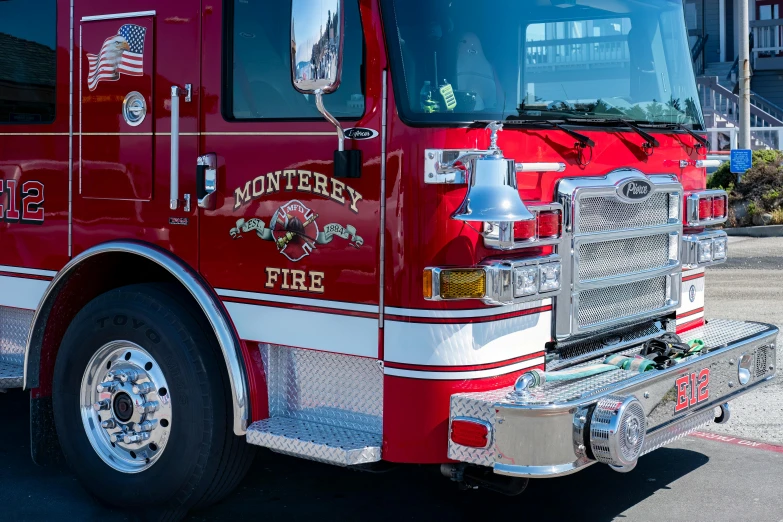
x=28 y=61
x=257 y=65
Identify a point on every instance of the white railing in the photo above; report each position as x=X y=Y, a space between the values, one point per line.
x=719 y=101
x=581 y=52
x=725 y=138
x=767 y=37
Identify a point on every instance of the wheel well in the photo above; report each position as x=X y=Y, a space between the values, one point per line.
x=111 y=266
x=95 y=276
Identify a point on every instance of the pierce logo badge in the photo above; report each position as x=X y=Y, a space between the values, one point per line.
x=635 y=190
x=692 y=293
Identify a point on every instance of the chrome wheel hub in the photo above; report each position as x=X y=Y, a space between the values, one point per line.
x=126 y=406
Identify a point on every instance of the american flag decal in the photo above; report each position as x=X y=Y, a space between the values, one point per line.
x=122 y=53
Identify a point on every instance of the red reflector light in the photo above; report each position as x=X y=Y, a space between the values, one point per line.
x=549 y=224
x=524 y=230
x=470 y=433
x=705 y=208
x=718 y=207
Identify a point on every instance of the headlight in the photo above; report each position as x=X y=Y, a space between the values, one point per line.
x=705 y=251
x=525 y=281
x=549 y=277
x=719 y=248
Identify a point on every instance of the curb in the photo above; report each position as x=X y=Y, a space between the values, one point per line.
x=763 y=231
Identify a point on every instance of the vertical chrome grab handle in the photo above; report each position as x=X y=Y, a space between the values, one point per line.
x=176 y=92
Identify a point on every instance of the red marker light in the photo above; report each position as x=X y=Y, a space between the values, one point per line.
x=549 y=224
x=718 y=207
x=470 y=433
x=705 y=208
x=524 y=230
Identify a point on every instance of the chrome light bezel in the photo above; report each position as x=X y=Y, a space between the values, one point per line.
x=499 y=281
x=490 y=231
x=691 y=247
x=692 y=208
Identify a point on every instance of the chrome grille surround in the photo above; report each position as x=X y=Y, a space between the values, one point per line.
x=626 y=264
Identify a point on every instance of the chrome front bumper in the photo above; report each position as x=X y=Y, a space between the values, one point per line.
x=544 y=434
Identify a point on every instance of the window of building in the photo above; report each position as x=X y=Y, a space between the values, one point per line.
x=28 y=61
x=258 y=65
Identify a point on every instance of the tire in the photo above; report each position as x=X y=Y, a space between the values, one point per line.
x=149 y=336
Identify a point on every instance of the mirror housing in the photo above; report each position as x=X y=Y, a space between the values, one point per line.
x=317 y=45
x=316 y=66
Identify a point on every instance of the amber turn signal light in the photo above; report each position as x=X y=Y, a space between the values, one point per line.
x=427 y=283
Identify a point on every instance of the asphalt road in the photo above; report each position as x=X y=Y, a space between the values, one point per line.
x=693 y=479
x=749 y=287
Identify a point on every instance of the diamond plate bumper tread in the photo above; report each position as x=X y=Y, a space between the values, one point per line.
x=316 y=441
x=11 y=375
x=541 y=434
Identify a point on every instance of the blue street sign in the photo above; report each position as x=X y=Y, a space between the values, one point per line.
x=741 y=160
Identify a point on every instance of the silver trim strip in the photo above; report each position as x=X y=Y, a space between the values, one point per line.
x=117 y=15
x=274 y=298
x=382 y=267
x=471 y=313
x=81 y=150
x=30 y=271
x=70 y=144
x=204 y=295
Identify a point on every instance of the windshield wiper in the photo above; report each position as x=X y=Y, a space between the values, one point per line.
x=583 y=140
x=703 y=142
x=650 y=140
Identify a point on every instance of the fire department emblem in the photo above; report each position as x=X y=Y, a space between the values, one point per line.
x=294 y=230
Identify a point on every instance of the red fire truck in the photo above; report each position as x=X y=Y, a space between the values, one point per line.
x=360 y=232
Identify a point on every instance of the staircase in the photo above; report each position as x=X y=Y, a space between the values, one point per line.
x=723 y=72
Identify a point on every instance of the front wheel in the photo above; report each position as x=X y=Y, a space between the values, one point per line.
x=141 y=405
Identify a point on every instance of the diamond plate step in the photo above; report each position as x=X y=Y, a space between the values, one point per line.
x=11 y=374
x=316 y=441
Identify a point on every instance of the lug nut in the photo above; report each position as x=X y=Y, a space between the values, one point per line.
x=131 y=438
x=108 y=386
x=117 y=437
x=151 y=407
x=108 y=424
x=147 y=425
x=101 y=405
x=127 y=375
x=143 y=388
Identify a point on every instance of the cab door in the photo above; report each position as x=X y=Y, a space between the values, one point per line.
x=125 y=64
x=291 y=246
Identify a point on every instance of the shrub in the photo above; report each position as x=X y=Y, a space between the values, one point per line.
x=722 y=178
x=763 y=184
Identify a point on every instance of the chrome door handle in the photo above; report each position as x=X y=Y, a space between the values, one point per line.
x=176 y=92
x=206 y=181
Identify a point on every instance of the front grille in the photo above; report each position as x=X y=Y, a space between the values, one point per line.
x=623 y=256
x=602 y=214
x=602 y=305
x=761 y=361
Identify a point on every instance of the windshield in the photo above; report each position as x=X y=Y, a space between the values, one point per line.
x=459 y=61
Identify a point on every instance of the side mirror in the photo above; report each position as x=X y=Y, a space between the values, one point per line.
x=316 y=45
x=316 y=66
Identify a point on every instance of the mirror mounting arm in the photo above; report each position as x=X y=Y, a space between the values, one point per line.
x=319 y=103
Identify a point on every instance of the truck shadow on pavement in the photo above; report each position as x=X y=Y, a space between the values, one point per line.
x=290 y=489
x=285 y=488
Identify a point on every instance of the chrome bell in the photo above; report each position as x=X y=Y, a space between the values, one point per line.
x=492 y=194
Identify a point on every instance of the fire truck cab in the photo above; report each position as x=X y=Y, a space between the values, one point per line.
x=358 y=232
